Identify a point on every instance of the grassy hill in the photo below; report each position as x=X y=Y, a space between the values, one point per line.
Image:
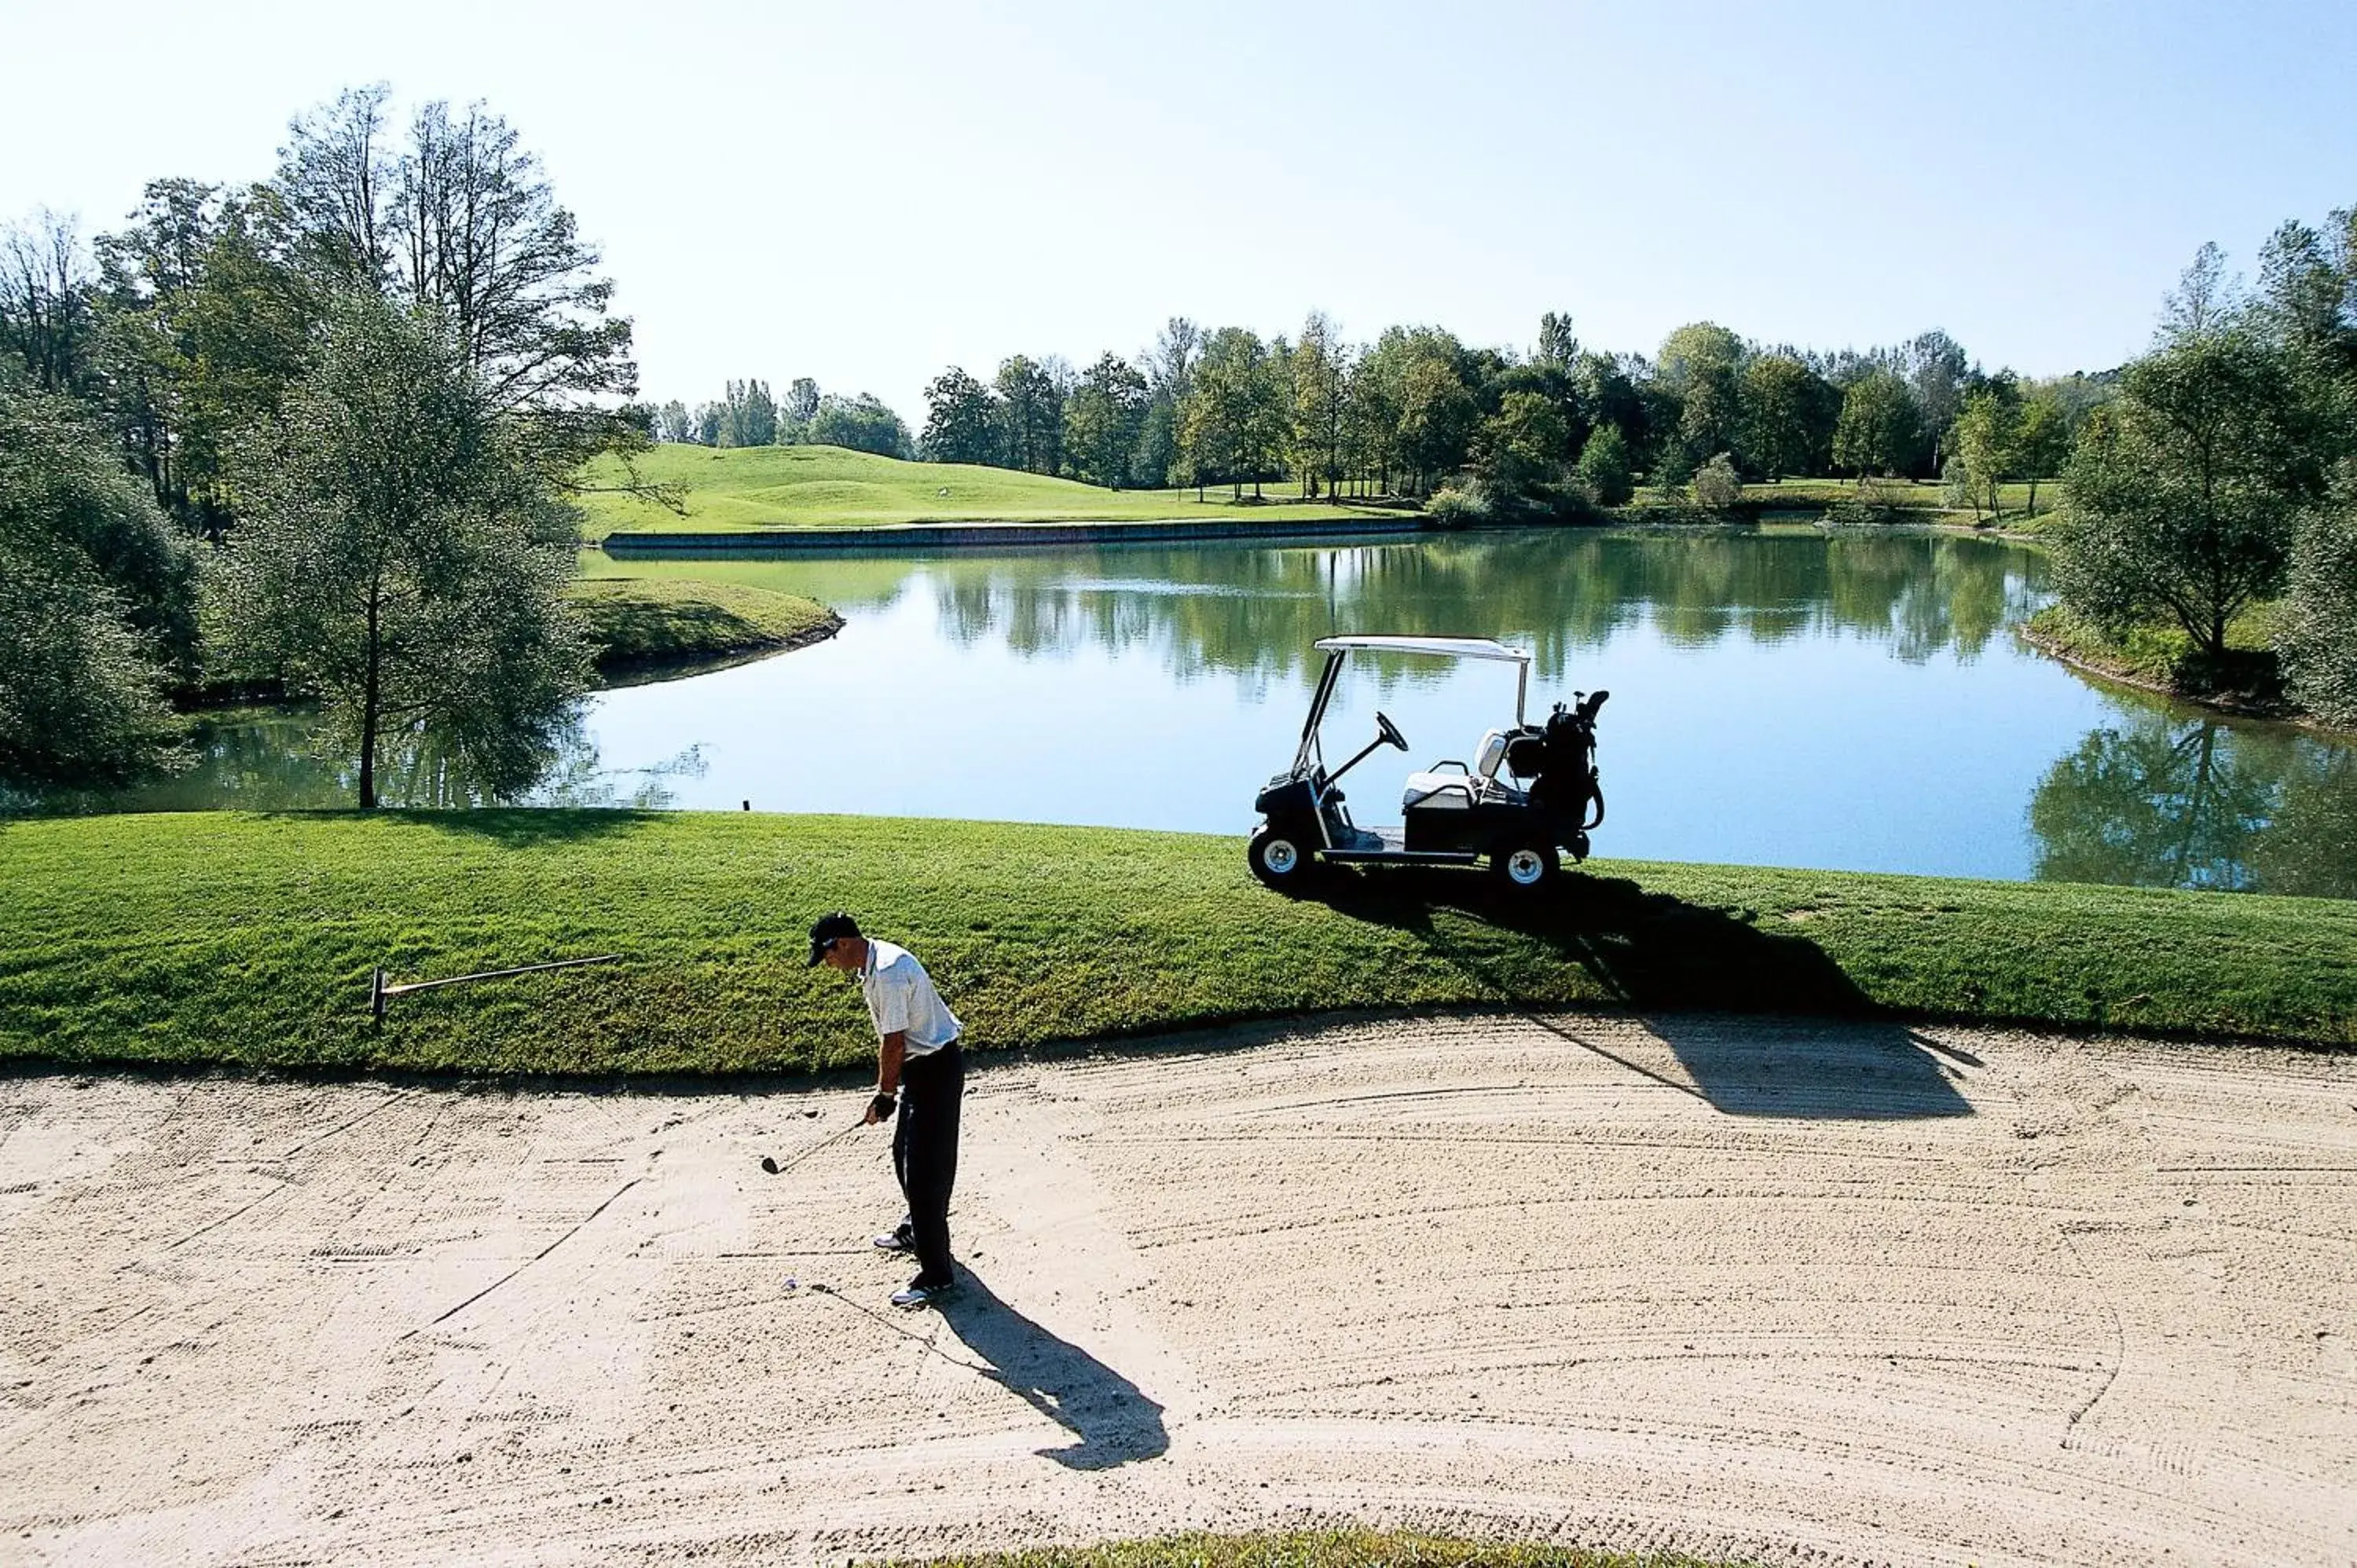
x=831 y=487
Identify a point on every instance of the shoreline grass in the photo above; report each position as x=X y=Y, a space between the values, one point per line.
x=220 y=938
x=642 y=625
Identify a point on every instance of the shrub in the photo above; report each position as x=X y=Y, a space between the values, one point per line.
x=1604 y=476
x=1460 y=505
x=1717 y=485
x=2316 y=636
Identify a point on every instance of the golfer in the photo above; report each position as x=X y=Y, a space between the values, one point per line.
x=920 y=1081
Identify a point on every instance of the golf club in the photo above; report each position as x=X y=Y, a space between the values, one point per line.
x=772 y=1165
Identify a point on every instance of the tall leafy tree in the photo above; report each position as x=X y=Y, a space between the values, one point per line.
x=1227 y=413
x=1103 y=419
x=1519 y=448
x=749 y=414
x=1604 y=469
x=403 y=555
x=2185 y=494
x=796 y=414
x=1878 y=431
x=96 y=603
x=963 y=423
x=1321 y=398
x=454 y=213
x=1034 y=412
x=1937 y=371
x=1437 y=418
x=47 y=324
x=1986 y=445
x=1789 y=412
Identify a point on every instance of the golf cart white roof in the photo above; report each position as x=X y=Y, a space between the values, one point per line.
x=1439 y=647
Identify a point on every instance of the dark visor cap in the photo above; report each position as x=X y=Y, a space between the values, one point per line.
x=828 y=929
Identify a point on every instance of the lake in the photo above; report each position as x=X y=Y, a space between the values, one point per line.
x=1781 y=697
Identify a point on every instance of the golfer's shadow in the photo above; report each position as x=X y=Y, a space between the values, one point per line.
x=1113 y=1422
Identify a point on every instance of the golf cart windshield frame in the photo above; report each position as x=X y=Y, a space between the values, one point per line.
x=1339 y=649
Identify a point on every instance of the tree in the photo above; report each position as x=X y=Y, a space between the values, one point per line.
x=456 y=215
x=2041 y=441
x=2317 y=635
x=748 y=415
x=1788 y=416
x=800 y=408
x=1604 y=467
x=1936 y=372
x=1877 y=429
x=96 y=603
x=2185 y=494
x=1438 y=417
x=1320 y=411
x=1226 y=416
x=404 y=556
x=1103 y=419
x=1558 y=345
x=863 y=424
x=45 y=284
x=1520 y=447
x=1697 y=350
x=673 y=424
x=1985 y=443
x=963 y=423
x=1034 y=414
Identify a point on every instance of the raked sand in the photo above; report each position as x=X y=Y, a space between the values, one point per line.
x=1808 y=1293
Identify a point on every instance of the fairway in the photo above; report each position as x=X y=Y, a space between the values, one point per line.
x=754 y=488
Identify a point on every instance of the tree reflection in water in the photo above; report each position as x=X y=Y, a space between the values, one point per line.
x=267 y=761
x=2161 y=800
x=1256 y=612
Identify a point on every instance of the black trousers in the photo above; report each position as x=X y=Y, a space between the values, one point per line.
x=924 y=1153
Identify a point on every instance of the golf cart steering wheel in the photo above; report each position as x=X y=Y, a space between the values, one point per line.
x=1390 y=731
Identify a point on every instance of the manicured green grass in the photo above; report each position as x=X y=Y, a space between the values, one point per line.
x=829 y=486
x=221 y=937
x=644 y=624
x=1319 y=1549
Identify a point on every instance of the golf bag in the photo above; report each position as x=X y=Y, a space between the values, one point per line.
x=1559 y=758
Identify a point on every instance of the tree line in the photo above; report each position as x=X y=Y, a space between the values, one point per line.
x=314 y=435
x=1558 y=426
x=2221 y=485
x=747 y=415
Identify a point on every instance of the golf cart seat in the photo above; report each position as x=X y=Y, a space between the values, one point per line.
x=1460 y=789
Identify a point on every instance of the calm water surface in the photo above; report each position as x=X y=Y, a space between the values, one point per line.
x=1792 y=699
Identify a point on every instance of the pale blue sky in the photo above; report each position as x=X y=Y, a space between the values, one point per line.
x=865 y=193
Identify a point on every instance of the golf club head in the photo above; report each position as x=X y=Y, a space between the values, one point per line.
x=769 y=1164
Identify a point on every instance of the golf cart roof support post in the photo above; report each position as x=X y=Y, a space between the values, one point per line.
x=1324 y=694
x=1521 y=693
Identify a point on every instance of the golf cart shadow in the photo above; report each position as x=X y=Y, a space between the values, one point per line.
x=1677 y=964
x=1113 y=1422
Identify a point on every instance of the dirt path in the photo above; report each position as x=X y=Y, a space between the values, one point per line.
x=1811 y=1293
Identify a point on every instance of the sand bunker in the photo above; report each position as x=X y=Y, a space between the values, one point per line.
x=1808 y=1293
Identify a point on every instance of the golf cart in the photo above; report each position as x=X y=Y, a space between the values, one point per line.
x=1529 y=790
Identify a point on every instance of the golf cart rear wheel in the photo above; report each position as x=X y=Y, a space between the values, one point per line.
x=1526 y=868
x=1281 y=861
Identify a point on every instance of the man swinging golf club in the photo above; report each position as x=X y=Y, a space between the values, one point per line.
x=920 y=1081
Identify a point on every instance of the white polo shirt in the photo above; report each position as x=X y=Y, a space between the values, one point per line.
x=900 y=996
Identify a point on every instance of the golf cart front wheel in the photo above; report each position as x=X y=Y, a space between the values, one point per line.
x=1526 y=867
x=1278 y=860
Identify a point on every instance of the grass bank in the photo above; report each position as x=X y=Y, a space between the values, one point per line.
x=1318 y=1549
x=2247 y=681
x=221 y=937
x=643 y=625
x=756 y=487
